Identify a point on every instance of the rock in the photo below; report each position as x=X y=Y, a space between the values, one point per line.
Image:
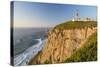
x=61 y=44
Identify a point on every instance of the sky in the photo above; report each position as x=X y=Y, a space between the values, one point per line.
x=32 y=14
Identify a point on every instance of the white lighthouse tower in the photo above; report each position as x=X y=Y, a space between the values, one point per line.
x=77 y=16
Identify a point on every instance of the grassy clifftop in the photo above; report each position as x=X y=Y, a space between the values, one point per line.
x=76 y=24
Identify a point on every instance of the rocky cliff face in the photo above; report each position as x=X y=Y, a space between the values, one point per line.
x=61 y=44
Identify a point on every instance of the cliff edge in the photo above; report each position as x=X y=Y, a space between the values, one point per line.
x=64 y=40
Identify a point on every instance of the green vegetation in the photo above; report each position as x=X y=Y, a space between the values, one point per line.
x=76 y=24
x=86 y=53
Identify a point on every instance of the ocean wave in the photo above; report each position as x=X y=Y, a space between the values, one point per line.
x=28 y=54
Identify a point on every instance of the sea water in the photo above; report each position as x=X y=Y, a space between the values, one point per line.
x=27 y=43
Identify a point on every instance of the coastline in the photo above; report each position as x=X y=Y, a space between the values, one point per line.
x=39 y=52
x=28 y=54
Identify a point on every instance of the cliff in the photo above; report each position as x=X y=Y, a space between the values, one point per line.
x=63 y=40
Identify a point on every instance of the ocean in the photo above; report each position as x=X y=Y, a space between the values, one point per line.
x=27 y=43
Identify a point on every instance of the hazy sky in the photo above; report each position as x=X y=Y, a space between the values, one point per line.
x=30 y=14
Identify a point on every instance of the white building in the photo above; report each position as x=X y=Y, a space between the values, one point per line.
x=78 y=18
x=82 y=19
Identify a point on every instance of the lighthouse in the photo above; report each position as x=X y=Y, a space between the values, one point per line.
x=76 y=16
